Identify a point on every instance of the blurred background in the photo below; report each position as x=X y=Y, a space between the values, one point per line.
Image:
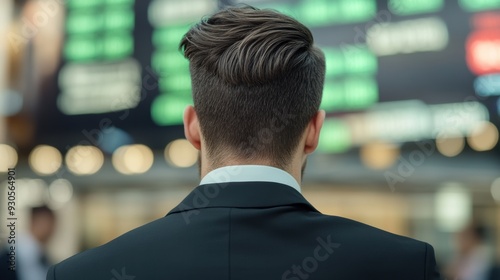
x=92 y=94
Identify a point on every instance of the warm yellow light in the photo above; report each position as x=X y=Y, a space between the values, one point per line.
x=379 y=155
x=133 y=159
x=117 y=160
x=483 y=137
x=8 y=157
x=84 y=160
x=181 y=153
x=45 y=160
x=450 y=147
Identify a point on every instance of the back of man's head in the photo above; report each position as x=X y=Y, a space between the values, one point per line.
x=257 y=81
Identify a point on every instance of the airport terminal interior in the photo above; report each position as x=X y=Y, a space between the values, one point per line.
x=92 y=94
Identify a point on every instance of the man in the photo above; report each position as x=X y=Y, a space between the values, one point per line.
x=31 y=262
x=257 y=84
x=474 y=258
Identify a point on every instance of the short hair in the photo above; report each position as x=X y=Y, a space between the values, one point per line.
x=251 y=69
x=41 y=210
x=479 y=231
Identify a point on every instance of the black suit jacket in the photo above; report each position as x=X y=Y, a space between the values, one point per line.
x=252 y=230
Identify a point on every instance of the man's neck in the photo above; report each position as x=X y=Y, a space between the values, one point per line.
x=250 y=173
x=205 y=168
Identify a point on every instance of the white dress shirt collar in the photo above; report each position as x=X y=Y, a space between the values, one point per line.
x=250 y=173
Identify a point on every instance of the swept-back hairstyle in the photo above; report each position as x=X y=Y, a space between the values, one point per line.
x=257 y=81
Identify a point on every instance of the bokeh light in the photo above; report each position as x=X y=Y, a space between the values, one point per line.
x=84 y=160
x=495 y=190
x=45 y=160
x=61 y=191
x=181 y=153
x=133 y=159
x=379 y=155
x=483 y=137
x=450 y=146
x=8 y=158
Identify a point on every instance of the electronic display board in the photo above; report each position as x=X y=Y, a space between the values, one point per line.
x=397 y=70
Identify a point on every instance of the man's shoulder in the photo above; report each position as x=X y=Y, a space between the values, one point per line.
x=110 y=259
x=362 y=233
x=381 y=254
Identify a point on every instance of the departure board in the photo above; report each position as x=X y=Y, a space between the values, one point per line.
x=99 y=69
x=397 y=70
x=171 y=20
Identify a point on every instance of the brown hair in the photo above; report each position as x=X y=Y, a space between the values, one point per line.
x=250 y=69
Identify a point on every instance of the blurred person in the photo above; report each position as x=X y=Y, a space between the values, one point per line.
x=257 y=85
x=32 y=262
x=474 y=258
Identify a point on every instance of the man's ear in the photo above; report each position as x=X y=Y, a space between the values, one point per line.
x=192 y=127
x=313 y=130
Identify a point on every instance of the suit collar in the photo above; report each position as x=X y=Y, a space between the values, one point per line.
x=242 y=195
